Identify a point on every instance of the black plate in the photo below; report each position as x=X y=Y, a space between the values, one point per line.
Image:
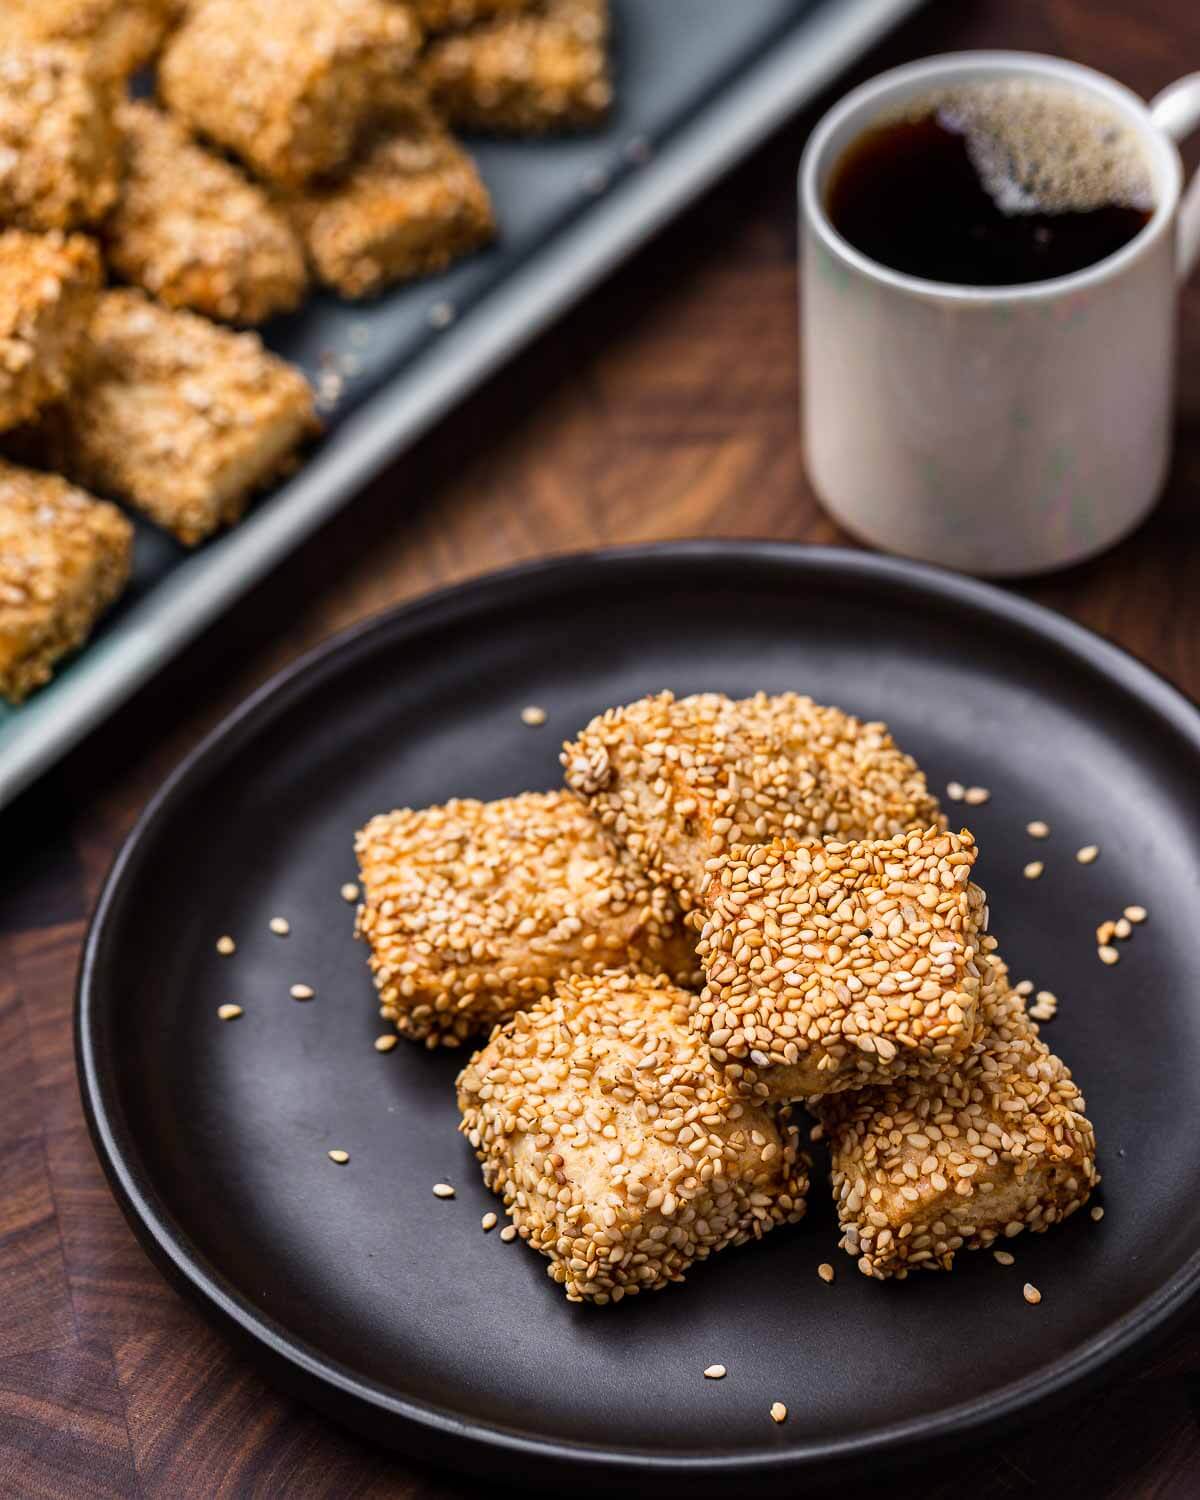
x=389 y=1308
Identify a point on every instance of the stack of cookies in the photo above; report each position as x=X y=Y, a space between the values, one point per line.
x=737 y=908
x=292 y=141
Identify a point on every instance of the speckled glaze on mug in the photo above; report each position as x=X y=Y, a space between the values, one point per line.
x=999 y=430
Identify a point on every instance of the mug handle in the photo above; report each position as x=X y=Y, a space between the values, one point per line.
x=1176 y=111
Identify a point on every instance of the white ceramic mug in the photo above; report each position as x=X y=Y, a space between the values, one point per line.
x=1000 y=430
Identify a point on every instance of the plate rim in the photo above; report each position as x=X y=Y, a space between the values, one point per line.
x=466 y=1443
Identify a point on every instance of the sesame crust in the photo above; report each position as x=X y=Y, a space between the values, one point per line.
x=450 y=15
x=525 y=74
x=983 y=1148
x=60 y=157
x=48 y=286
x=837 y=965
x=178 y=417
x=618 y=1149
x=64 y=558
x=194 y=232
x=411 y=203
x=680 y=781
x=287 y=85
x=473 y=909
x=118 y=36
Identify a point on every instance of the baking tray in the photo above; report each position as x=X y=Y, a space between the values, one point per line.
x=699 y=84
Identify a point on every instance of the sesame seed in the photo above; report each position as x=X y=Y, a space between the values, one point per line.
x=341 y=1157
x=1024 y=987
x=508 y=1233
x=778 y=1411
x=1122 y=928
x=955 y=791
x=825 y=1271
x=715 y=1372
x=1037 y=829
x=1097 y=1213
x=1105 y=931
x=1031 y=1294
x=1047 y=997
x=533 y=715
x=1003 y=1257
x=1107 y=954
x=487 y=1222
x=280 y=926
x=1135 y=914
x=229 y=1012
x=1087 y=854
x=225 y=946
x=1033 y=869
x=386 y=1043
x=349 y=891
x=442 y=314
x=443 y=1190
x=976 y=796
x=302 y=992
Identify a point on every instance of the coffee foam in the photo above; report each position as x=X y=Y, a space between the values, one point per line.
x=1044 y=148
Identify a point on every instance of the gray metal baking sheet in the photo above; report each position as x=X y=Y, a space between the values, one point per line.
x=699 y=83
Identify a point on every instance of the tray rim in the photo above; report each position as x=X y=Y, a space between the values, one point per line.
x=468 y=1445
x=206 y=583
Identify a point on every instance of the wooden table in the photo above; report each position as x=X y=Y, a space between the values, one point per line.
x=664 y=407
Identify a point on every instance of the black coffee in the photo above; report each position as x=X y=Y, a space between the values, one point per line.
x=993 y=184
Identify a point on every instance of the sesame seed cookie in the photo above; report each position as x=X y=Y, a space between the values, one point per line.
x=835 y=965
x=681 y=780
x=619 y=1150
x=473 y=909
x=978 y=1150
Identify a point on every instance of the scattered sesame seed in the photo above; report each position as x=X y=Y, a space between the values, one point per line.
x=386 y=1043
x=1104 y=933
x=1024 y=987
x=1031 y=1294
x=533 y=716
x=443 y=1190
x=341 y=1157
x=229 y=1012
x=1037 y=829
x=778 y=1412
x=825 y=1271
x=1122 y=928
x=715 y=1372
x=349 y=891
x=442 y=314
x=1033 y=869
x=1047 y=997
x=976 y=796
x=1097 y=1213
x=1107 y=954
x=280 y=926
x=508 y=1233
x=955 y=791
x=487 y=1222
x=302 y=992
x=1135 y=913
x=1003 y=1257
x=225 y=946
x=1087 y=854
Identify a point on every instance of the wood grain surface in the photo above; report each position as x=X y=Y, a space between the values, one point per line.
x=663 y=407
